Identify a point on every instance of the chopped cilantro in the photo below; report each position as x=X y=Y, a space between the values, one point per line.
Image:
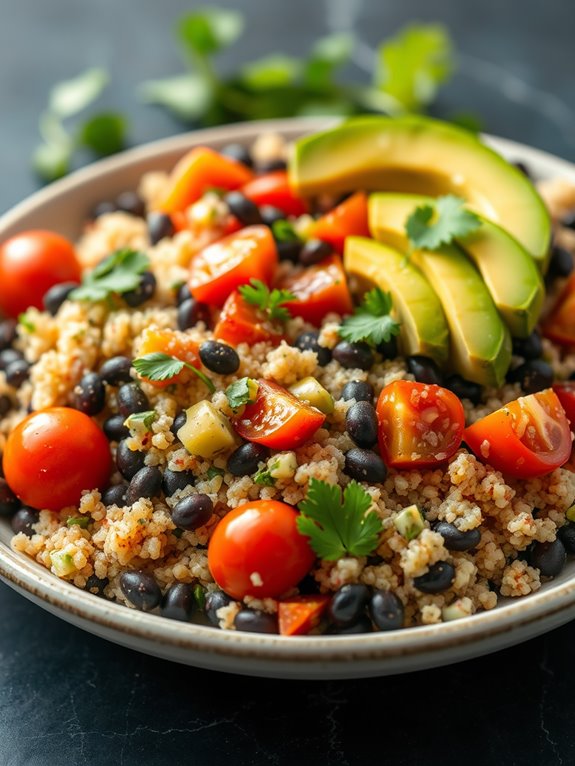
x=146 y=418
x=241 y=392
x=269 y=301
x=284 y=231
x=214 y=471
x=440 y=222
x=78 y=521
x=158 y=366
x=119 y=273
x=372 y=321
x=264 y=476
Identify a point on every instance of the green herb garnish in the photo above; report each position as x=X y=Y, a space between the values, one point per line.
x=119 y=273
x=241 y=392
x=213 y=471
x=146 y=418
x=372 y=321
x=268 y=301
x=264 y=476
x=25 y=321
x=284 y=231
x=78 y=521
x=338 y=524
x=158 y=366
x=440 y=222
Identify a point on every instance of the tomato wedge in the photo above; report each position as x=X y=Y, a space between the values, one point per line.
x=319 y=290
x=419 y=424
x=526 y=438
x=347 y=219
x=222 y=267
x=300 y=614
x=560 y=324
x=278 y=419
x=173 y=344
x=566 y=394
x=274 y=189
x=241 y=322
x=198 y=170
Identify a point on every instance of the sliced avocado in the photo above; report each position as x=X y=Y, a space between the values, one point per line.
x=424 y=327
x=423 y=156
x=507 y=268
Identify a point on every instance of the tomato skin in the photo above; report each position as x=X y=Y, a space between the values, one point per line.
x=30 y=264
x=259 y=538
x=173 y=344
x=240 y=322
x=300 y=614
x=565 y=392
x=54 y=454
x=278 y=419
x=559 y=326
x=320 y=289
x=220 y=268
x=497 y=440
x=407 y=413
x=350 y=218
x=274 y=189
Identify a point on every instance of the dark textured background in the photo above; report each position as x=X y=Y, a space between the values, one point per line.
x=69 y=698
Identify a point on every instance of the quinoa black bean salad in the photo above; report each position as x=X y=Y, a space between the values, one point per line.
x=325 y=388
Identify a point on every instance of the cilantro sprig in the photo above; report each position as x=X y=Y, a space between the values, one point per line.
x=440 y=222
x=241 y=392
x=338 y=524
x=268 y=301
x=372 y=321
x=119 y=273
x=159 y=367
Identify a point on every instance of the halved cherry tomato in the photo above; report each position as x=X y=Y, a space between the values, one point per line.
x=198 y=170
x=347 y=219
x=173 y=344
x=319 y=290
x=220 y=268
x=241 y=322
x=274 y=189
x=419 y=424
x=278 y=419
x=300 y=614
x=30 y=264
x=566 y=394
x=526 y=438
x=55 y=454
x=257 y=550
x=559 y=326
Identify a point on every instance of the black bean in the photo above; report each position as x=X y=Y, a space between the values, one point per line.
x=561 y=262
x=178 y=602
x=132 y=399
x=179 y=421
x=115 y=429
x=245 y=459
x=56 y=296
x=116 y=370
x=289 y=250
x=132 y=203
x=184 y=293
x=548 y=558
x=146 y=483
x=143 y=292
x=270 y=166
x=314 y=251
x=160 y=226
x=533 y=375
x=361 y=424
x=7 y=333
x=353 y=355
x=219 y=357
x=177 y=480
x=388 y=348
x=96 y=585
x=192 y=512
x=569 y=220
x=103 y=208
x=246 y=211
x=271 y=214
x=140 y=589
x=308 y=341
x=348 y=604
x=456 y=540
x=214 y=601
x=386 y=610
x=239 y=153
x=437 y=579
x=5 y=405
x=190 y=312
x=17 y=372
x=424 y=369
x=365 y=465
x=23 y=520
x=530 y=347
x=567 y=536
x=464 y=389
x=363 y=625
x=254 y=621
x=523 y=168
x=129 y=461
x=360 y=390
x=89 y=396
x=9 y=503
x=115 y=495
x=9 y=355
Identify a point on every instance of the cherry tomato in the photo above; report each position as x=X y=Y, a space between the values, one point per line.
x=300 y=614
x=241 y=322
x=173 y=344
x=566 y=394
x=347 y=219
x=274 y=189
x=419 y=424
x=54 y=454
x=319 y=290
x=256 y=550
x=220 y=268
x=198 y=170
x=277 y=418
x=560 y=324
x=30 y=264
x=526 y=438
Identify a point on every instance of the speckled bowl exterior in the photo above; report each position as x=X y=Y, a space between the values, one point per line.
x=63 y=206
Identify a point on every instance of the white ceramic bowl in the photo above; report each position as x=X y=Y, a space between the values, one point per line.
x=63 y=207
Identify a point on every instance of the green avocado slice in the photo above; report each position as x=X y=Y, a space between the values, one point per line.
x=424 y=327
x=507 y=268
x=424 y=156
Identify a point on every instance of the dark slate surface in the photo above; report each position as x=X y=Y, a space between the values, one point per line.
x=69 y=698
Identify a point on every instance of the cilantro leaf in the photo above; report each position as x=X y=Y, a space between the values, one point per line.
x=269 y=301
x=440 y=222
x=372 y=321
x=187 y=96
x=338 y=525
x=284 y=231
x=242 y=391
x=158 y=366
x=73 y=96
x=146 y=418
x=206 y=30
x=213 y=471
x=104 y=133
x=119 y=273
x=264 y=477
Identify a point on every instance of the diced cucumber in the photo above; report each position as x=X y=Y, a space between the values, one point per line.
x=282 y=466
x=62 y=563
x=206 y=431
x=311 y=391
x=409 y=522
x=460 y=608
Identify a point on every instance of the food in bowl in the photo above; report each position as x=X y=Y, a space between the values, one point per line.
x=327 y=399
